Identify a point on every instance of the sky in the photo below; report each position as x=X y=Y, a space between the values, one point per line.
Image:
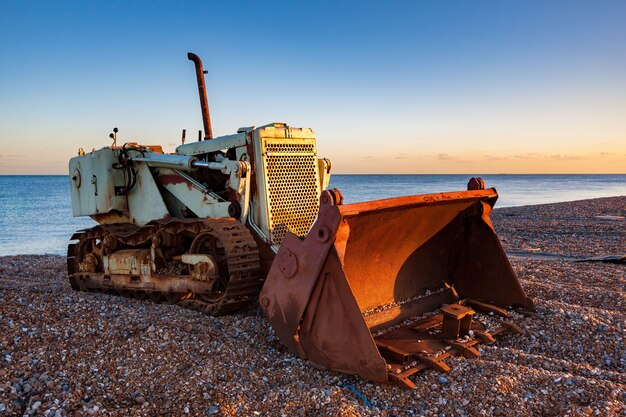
x=424 y=87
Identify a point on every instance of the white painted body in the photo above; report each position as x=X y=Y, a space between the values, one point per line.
x=269 y=178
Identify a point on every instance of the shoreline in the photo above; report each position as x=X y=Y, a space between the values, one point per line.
x=74 y=353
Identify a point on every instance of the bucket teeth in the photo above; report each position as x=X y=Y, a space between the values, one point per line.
x=509 y=325
x=486 y=337
x=435 y=363
x=487 y=308
x=424 y=344
x=401 y=380
x=466 y=349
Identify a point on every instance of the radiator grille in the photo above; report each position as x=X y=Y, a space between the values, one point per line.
x=292 y=187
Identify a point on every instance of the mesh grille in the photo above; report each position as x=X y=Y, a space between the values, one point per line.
x=292 y=184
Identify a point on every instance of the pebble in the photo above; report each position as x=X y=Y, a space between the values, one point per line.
x=85 y=353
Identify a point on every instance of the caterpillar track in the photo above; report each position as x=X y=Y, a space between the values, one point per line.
x=223 y=276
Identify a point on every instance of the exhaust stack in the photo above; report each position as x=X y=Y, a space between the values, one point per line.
x=204 y=103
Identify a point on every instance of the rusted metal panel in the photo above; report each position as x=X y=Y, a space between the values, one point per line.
x=332 y=332
x=350 y=296
x=457 y=321
x=164 y=284
x=391 y=315
x=295 y=271
x=386 y=246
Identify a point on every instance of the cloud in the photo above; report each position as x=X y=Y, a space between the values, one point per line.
x=402 y=156
x=496 y=158
x=450 y=158
x=528 y=155
x=534 y=156
x=369 y=158
x=565 y=157
x=11 y=156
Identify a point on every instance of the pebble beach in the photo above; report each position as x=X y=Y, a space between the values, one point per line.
x=67 y=353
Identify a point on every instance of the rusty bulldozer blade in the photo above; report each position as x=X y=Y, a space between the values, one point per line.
x=386 y=288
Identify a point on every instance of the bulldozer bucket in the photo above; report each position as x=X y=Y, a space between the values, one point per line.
x=386 y=288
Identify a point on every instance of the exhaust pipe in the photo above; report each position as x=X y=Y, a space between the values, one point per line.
x=204 y=103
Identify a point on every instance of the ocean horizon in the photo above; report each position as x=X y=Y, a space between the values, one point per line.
x=36 y=213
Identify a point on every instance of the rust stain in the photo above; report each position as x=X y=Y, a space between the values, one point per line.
x=173 y=179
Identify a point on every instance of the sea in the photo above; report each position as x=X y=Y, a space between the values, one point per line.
x=36 y=211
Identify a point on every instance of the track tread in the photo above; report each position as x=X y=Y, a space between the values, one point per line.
x=242 y=257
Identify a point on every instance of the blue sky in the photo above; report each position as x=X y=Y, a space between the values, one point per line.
x=389 y=87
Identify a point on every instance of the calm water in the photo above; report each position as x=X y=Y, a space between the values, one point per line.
x=36 y=214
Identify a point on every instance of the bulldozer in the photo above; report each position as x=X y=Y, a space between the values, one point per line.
x=382 y=289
